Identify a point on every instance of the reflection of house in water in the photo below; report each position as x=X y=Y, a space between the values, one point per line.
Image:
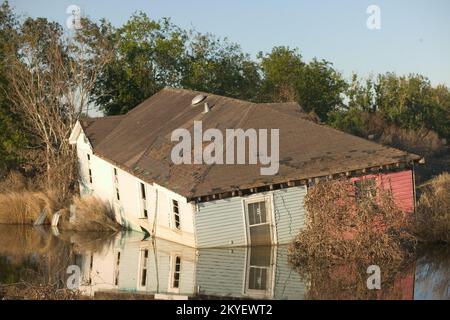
x=167 y=270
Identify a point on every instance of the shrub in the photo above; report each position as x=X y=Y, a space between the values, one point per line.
x=339 y=228
x=433 y=210
x=92 y=214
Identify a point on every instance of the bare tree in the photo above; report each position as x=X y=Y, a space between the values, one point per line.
x=51 y=77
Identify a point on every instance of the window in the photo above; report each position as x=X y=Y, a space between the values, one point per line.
x=90 y=176
x=144 y=212
x=176 y=272
x=89 y=157
x=365 y=188
x=143 y=191
x=176 y=214
x=257 y=213
x=144 y=258
x=259 y=227
x=117 y=194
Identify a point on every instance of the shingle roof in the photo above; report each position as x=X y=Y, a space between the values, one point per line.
x=140 y=143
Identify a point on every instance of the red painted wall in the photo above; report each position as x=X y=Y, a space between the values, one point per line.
x=401 y=184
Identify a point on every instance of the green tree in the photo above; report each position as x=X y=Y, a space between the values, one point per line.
x=321 y=88
x=217 y=66
x=282 y=70
x=411 y=102
x=316 y=86
x=148 y=56
x=12 y=133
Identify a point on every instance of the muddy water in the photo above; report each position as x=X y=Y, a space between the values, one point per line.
x=127 y=265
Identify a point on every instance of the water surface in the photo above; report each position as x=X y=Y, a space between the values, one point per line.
x=126 y=265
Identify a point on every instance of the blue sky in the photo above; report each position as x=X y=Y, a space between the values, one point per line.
x=414 y=34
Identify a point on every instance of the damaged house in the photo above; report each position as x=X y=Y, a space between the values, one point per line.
x=126 y=161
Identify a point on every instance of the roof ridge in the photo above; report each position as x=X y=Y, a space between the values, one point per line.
x=209 y=94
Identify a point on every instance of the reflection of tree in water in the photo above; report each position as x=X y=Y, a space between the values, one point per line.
x=33 y=262
x=328 y=281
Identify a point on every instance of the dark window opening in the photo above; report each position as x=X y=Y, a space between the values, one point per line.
x=143 y=191
x=176 y=214
x=90 y=176
x=117 y=194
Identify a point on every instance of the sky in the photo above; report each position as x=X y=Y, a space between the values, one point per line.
x=414 y=35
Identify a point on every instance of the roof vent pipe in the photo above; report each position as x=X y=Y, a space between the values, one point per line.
x=206 y=109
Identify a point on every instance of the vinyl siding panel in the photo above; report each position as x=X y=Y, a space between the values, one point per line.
x=290 y=212
x=220 y=223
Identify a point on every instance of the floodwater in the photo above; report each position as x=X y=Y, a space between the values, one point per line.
x=125 y=265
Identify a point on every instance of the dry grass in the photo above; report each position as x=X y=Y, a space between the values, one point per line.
x=422 y=142
x=27 y=291
x=14 y=182
x=92 y=214
x=22 y=200
x=433 y=210
x=341 y=229
x=24 y=207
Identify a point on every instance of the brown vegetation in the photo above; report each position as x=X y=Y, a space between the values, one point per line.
x=423 y=142
x=22 y=201
x=92 y=214
x=348 y=281
x=339 y=227
x=25 y=207
x=27 y=291
x=344 y=236
x=433 y=210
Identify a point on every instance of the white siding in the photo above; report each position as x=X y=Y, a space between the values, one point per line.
x=221 y=223
x=290 y=212
x=128 y=209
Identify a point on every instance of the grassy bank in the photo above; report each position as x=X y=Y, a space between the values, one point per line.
x=22 y=202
